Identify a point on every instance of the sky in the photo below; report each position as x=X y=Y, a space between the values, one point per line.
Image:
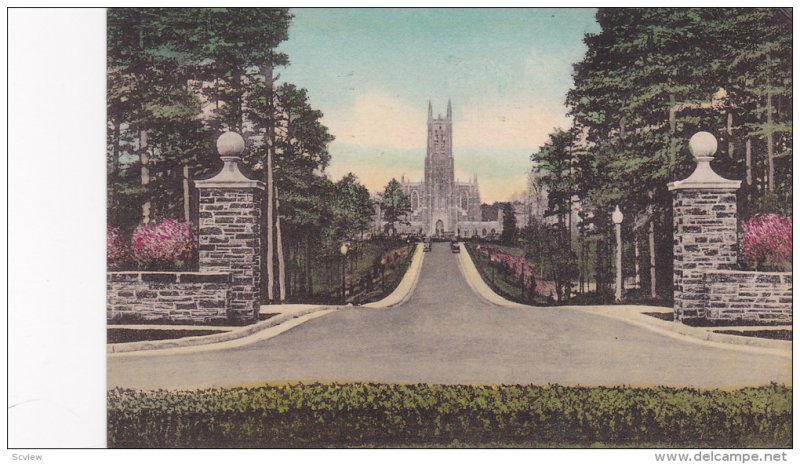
x=372 y=72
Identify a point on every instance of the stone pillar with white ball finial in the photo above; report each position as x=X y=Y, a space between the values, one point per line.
x=230 y=229
x=704 y=228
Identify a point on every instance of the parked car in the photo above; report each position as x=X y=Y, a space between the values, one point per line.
x=454 y=246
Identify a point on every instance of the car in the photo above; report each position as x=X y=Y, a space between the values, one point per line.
x=428 y=244
x=455 y=247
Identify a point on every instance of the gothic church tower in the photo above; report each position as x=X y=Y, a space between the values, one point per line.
x=439 y=174
x=442 y=205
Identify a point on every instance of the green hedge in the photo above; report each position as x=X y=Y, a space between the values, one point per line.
x=354 y=415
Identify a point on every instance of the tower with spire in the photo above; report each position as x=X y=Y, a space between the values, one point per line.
x=439 y=172
x=442 y=205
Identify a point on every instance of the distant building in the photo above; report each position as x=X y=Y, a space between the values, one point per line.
x=536 y=204
x=440 y=204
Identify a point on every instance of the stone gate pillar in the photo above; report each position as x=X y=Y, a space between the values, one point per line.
x=704 y=228
x=230 y=228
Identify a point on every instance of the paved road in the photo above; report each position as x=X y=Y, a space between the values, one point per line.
x=446 y=334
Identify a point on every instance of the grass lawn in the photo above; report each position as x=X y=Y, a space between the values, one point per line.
x=503 y=284
x=361 y=265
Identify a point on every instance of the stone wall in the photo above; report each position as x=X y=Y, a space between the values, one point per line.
x=181 y=297
x=229 y=284
x=706 y=281
x=748 y=295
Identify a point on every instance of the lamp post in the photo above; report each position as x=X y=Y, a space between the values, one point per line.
x=616 y=217
x=343 y=250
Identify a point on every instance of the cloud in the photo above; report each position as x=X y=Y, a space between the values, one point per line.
x=378 y=119
x=374 y=167
x=512 y=124
x=501 y=189
x=381 y=136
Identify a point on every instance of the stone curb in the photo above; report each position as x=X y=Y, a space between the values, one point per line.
x=406 y=287
x=707 y=333
x=782 y=348
x=215 y=338
x=775 y=347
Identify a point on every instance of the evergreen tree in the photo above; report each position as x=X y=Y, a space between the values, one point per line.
x=509 y=234
x=653 y=77
x=352 y=208
x=394 y=204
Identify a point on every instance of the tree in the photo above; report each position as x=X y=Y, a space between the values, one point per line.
x=177 y=78
x=152 y=112
x=650 y=79
x=548 y=246
x=394 y=203
x=509 y=225
x=554 y=164
x=237 y=46
x=298 y=155
x=162 y=63
x=563 y=261
x=352 y=208
x=757 y=45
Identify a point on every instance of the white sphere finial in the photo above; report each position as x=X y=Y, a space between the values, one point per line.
x=230 y=144
x=616 y=216
x=703 y=145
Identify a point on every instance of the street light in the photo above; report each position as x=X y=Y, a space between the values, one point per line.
x=343 y=250
x=616 y=217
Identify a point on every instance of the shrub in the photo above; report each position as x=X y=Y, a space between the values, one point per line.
x=767 y=242
x=117 y=250
x=164 y=245
x=350 y=415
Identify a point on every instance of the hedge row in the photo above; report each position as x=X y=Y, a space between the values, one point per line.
x=355 y=415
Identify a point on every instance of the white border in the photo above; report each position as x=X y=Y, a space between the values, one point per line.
x=56 y=146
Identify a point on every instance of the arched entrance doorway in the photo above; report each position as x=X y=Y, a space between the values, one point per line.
x=439 y=227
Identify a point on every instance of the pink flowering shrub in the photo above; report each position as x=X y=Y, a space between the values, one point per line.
x=164 y=245
x=521 y=269
x=767 y=242
x=117 y=251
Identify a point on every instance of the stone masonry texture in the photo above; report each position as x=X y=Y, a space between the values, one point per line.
x=704 y=239
x=749 y=295
x=230 y=227
x=180 y=297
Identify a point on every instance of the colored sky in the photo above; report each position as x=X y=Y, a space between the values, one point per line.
x=372 y=72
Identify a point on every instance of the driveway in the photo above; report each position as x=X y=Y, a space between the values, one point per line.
x=445 y=333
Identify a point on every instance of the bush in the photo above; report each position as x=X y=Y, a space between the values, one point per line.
x=767 y=242
x=117 y=250
x=164 y=245
x=353 y=415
